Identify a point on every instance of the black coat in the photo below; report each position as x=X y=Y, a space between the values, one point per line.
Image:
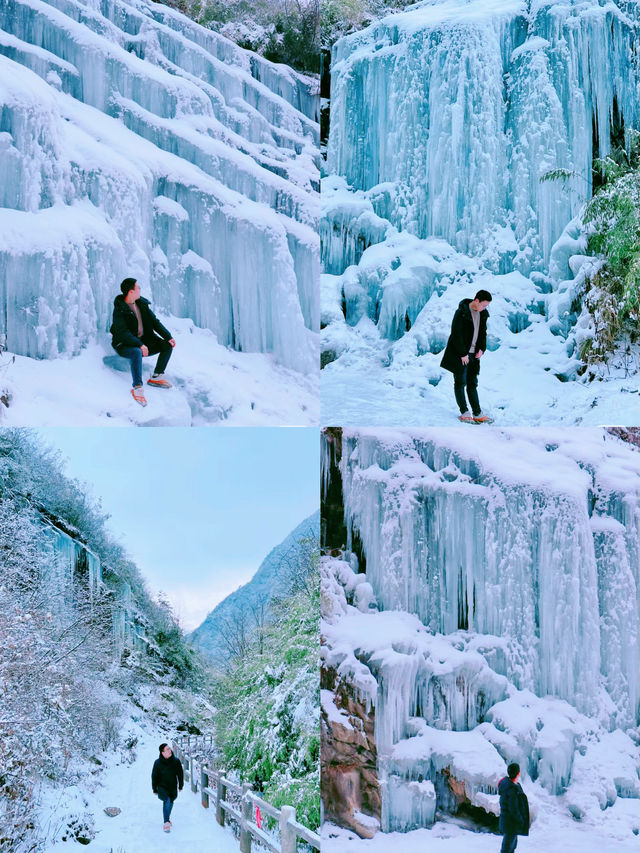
x=462 y=335
x=124 y=328
x=167 y=775
x=514 y=808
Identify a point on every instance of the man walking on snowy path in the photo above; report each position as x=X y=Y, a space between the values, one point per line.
x=167 y=779
x=514 y=809
x=465 y=347
x=137 y=332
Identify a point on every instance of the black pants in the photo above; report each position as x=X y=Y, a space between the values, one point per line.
x=156 y=345
x=509 y=843
x=468 y=378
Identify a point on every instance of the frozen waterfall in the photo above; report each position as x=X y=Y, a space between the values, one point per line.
x=461 y=108
x=448 y=122
x=135 y=142
x=486 y=606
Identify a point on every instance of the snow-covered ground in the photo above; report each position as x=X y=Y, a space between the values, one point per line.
x=138 y=827
x=556 y=833
x=136 y=143
x=445 y=119
x=212 y=385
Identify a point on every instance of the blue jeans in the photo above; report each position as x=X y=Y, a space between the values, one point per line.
x=468 y=377
x=134 y=354
x=509 y=843
x=167 y=804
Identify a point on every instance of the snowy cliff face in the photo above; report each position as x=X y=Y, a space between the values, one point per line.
x=134 y=142
x=444 y=120
x=494 y=617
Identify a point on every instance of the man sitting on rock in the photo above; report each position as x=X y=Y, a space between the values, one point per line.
x=137 y=332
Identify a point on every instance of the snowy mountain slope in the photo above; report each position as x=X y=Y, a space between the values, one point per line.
x=134 y=142
x=494 y=619
x=272 y=578
x=444 y=119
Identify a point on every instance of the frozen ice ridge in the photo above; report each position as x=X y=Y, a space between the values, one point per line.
x=484 y=610
x=445 y=118
x=135 y=142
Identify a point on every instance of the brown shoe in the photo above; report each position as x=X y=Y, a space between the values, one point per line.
x=138 y=395
x=159 y=381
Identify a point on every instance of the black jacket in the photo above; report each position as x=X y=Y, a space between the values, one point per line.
x=462 y=335
x=124 y=328
x=167 y=775
x=514 y=808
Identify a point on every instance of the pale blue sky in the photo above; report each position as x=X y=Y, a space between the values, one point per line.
x=197 y=509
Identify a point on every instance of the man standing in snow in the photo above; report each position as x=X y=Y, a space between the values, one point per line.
x=514 y=809
x=465 y=347
x=137 y=332
x=167 y=779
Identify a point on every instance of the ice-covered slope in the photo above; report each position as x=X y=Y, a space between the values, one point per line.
x=494 y=618
x=272 y=578
x=444 y=119
x=134 y=142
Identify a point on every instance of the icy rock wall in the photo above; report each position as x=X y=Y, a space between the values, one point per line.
x=73 y=564
x=133 y=142
x=530 y=551
x=461 y=108
x=72 y=561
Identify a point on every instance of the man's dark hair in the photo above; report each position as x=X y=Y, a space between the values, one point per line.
x=483 y=296
x=513 y=770
x=127 y=285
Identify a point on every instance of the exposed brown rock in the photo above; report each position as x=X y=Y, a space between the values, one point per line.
x=348 y=759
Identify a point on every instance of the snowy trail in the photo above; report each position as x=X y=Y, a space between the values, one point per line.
x=138 y=828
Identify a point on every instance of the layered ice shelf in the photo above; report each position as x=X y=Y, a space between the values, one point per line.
x=135 y=143
x=484 y=610
x=445 y=120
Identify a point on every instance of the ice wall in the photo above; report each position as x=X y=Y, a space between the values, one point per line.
x=518 y=539
x=134 y=142
x=456 y=110
x=494 y=617
x=73 y=572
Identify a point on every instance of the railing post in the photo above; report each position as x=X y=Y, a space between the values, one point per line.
x=245 y=817
x=192 y=775
x=221 y=793
x=204 y=784
x=287 y=832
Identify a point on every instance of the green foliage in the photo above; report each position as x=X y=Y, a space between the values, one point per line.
x=184 y=662
x=614 y=215
x=267 y=725
x=280 y=30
